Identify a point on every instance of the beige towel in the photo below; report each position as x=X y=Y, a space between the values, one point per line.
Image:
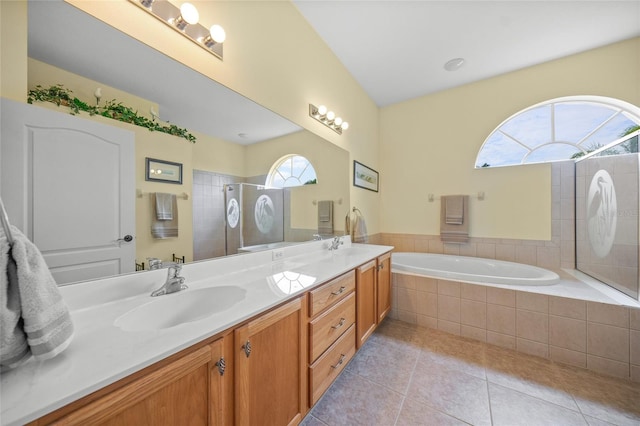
x=325 y=217
x=454 y=228
x=35 y=319
x=454 y=209
x=359 y=230
x=164 y=228
x=164 y=206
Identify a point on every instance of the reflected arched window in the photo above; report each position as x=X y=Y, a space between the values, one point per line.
x=291 y=170
x=559 y=129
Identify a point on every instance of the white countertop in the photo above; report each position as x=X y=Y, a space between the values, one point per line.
x=101 y=353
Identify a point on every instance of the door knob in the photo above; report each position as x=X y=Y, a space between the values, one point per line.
x=127 y=239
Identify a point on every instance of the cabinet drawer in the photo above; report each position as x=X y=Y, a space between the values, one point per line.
x=324 y=371
x=331 y=292
x=325 y=329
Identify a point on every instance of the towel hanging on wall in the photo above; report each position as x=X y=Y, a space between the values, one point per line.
x=165 y=228
x=454 y=218
x=325 y=217
x=359 y=228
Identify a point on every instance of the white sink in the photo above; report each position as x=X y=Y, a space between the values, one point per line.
x=178 y=308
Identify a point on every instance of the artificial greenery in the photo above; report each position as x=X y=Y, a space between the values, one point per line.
x=60 y=95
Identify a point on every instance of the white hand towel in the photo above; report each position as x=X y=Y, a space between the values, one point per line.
x=35 y=319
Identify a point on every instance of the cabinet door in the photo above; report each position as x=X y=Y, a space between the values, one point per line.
x=177 y=393
x=365 y=301
x=268 y=369
x=383 y=286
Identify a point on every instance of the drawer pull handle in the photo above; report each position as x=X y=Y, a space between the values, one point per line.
x=340 y=361
x=247 y=348
x=338 y=325
x=337 y=292
x=222 y=365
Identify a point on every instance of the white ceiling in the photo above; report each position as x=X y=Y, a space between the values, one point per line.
x=397 y=49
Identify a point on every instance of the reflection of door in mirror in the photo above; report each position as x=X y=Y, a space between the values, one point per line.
x=77 y=201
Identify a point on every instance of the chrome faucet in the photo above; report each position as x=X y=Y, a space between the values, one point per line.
x=335 y=243
x=317 y=237
x=174 y=282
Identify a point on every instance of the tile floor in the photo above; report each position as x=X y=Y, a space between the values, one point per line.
x=410 y=375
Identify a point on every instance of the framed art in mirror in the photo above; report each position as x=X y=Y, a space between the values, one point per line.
x=365 y=177
x=163 y=171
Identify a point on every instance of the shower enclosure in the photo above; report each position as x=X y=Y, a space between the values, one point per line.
x=607 y=221
x=254 y=216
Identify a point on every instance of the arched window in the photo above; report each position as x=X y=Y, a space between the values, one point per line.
x=559 y=129
x=291 y=170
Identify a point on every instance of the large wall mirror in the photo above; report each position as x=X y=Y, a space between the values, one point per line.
x=237 y=139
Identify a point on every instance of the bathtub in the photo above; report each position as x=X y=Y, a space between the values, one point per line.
x=471 y=269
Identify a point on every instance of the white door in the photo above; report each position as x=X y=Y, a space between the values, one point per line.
x=68 y=184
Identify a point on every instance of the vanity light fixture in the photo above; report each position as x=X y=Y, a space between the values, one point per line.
x=328 y=118
x=184 y=20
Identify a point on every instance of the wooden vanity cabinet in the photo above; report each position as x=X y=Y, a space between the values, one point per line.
x=373 y=291
x=383 y=286
x=270 y=354
x=332 y=317
x=187 y=390
x=366 y=301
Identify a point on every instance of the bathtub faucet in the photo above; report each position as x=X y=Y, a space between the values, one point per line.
x=335 y=243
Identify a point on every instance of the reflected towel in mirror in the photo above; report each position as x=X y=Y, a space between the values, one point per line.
x=164 y=228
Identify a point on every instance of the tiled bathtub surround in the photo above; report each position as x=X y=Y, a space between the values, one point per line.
x=410 y=375
x=597 y=336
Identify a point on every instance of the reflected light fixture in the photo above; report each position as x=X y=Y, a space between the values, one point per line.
x=185 y=20
x=328 y=118
x=454 y=64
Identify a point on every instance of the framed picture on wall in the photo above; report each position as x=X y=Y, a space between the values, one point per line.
x=163 y=171
x=365 y=177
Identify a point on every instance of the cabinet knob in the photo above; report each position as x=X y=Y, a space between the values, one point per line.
x=381 y=266
x=247 y=348
x=222 y=365
x=339 y=291
x=340 y=361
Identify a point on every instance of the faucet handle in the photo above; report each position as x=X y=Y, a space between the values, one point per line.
x=176 y=267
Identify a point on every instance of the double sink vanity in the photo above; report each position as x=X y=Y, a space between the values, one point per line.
x=255 y=339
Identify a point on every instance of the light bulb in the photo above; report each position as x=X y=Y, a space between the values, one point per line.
x=331 y=115
x=189 y=13
x=217 y=33
x=322 y=110
x=345 y=125
x=338 y=121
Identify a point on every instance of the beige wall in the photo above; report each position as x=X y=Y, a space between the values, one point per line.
x=426 y=145
x=429 y=144
x=13 y=48
x=331 y=164
x=208 y=153
x=273 y=56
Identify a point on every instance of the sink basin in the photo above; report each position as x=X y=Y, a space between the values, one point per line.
x=178 y=308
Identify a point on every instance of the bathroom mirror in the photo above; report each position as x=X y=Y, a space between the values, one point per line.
x=237 y=139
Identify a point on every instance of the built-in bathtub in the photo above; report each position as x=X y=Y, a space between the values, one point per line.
x=472 y=269
x=562 y=315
